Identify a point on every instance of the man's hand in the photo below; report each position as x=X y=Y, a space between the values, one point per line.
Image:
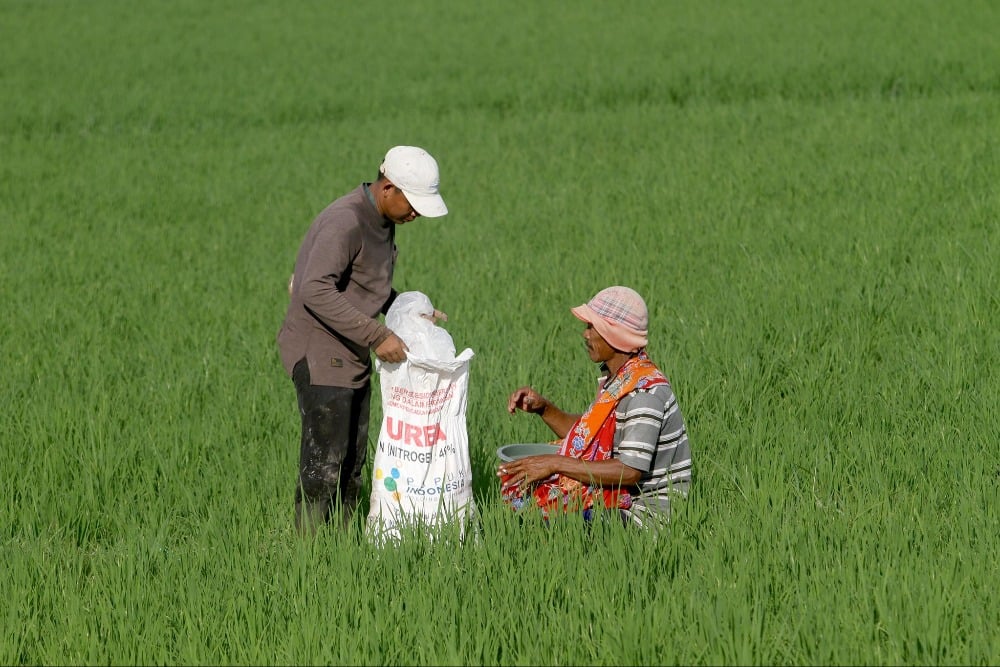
x=528 y=400
x=438 y=315
x=392 y=350
x=528 y=470
x=522 y=473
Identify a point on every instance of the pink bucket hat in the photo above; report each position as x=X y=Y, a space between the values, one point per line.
x=619 y=314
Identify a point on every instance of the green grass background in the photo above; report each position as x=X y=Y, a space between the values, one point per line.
x=805 y=193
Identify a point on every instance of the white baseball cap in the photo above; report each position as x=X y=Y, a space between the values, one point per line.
x=415 y=172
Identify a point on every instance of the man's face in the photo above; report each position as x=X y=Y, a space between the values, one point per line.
x=397 y=208
x=597 y=347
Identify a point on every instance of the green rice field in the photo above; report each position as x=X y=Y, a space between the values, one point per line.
x=806 y=193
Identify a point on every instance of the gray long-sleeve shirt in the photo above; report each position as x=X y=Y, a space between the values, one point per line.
x=342 y=281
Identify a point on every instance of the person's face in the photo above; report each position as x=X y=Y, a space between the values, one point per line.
x=396 y=207
x=597 y=347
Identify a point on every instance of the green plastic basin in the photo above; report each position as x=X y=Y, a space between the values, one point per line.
x=520 y=450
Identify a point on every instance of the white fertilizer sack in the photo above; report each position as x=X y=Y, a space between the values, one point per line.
x=422 y=472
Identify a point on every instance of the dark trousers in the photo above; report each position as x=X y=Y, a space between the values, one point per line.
x=333 y=451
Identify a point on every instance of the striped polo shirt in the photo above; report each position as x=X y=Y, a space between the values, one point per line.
x=650 y=436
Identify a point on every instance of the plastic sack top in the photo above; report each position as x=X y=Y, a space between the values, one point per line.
x=411 y=317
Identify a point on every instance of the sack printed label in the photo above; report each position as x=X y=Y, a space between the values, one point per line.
x=419 y=402
x=404 y=455
x=391 y=480
x=413 y=435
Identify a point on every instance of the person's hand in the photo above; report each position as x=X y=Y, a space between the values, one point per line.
x=392 y=350
x=528 y=400
x=524 y=472
x=437 y=315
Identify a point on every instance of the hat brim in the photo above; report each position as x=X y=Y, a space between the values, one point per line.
x=618 y=336
x=429 y=206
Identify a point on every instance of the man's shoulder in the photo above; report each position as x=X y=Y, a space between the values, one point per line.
x=351 y=205
x=349 y=212
x=655 y=396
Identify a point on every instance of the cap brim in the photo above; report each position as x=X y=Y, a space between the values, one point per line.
x=617 y=336
x=584 y=313
x=429 y=206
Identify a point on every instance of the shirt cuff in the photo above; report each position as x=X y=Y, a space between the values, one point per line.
x=383 y=333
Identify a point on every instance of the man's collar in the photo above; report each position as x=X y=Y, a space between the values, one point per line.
x=371 y=198
x=368 y=193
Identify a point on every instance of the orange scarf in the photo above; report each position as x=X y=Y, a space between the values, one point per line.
x=591 y=438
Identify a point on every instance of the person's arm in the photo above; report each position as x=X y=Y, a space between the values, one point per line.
x=611 y=473
x=329 y=259
x=639 y=429
x=527 y=399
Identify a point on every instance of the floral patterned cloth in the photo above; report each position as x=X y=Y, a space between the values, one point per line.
x=591 y=438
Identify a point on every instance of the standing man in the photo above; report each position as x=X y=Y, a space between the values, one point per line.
x=342 y=282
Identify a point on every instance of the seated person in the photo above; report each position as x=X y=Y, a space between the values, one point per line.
x=629 y=451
